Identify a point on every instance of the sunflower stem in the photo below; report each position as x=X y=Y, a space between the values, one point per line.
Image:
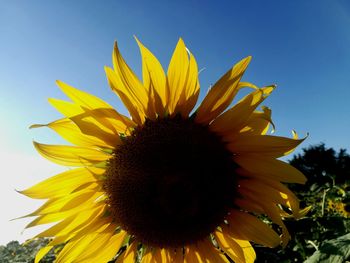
x=324 y=200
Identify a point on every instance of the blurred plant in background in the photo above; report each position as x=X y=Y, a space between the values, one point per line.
x=14 y=252
x=323 y=235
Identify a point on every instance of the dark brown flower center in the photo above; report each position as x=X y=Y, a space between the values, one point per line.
x=171 y=182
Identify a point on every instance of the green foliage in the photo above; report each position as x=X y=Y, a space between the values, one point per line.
x=315 y=237
x=14 y=252
x=322 y=166
x=332 y=251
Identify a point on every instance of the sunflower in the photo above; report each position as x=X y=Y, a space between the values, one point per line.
x=169 y=183
x=344 y=209
x=340 y=207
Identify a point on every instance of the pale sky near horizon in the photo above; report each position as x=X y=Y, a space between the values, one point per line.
x=302 y=46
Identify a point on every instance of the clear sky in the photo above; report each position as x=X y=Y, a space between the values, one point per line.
x=302 y=46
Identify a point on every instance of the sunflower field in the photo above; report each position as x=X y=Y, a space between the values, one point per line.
x=322 y=235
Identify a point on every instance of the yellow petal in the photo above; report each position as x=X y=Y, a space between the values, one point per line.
x=66 y=108
x=176 y=255
x=239 y=250
x=51 y=218
x=272 y=211
x=222 y=93
x=90 y=126
x=95 y=246
x=63 y=183
x=231 y=248
x=239 y=115
x=270 y=196
x=108 y=251
x=244 y=84
x=247 y=205
x=290 y=198
x=119 y=122
x=148 y=257
x=248 y=250
x=154 y=76
x=189 y=96
x=267 y=145
x=129 y=255
x=274 y=191
x=58 y=240
x=62 y=208
x=246 y=226
x=136 y=111
x=177 y=74
x=106 y=119
x=235 y=118
x=259 y=122
x=192 y=255
x=209 y=253
x=155 y=255
x=98 y=224
x=268 y=168
x=129 y=83
x=82 y=98
x=303 y=212
x=75 y=247
x=95 y=225
x=105 y=124
x=71 y=155
x=71 y=133
x=41 y=253
x=162 y=255
x=73 y=223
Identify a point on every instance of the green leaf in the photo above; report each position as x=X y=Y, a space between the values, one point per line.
x=332 y=251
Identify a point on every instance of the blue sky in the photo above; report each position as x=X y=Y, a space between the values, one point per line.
x=302 y=46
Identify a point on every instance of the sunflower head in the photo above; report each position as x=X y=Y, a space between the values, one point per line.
x=181 y=179
x=341 y=208
x=169 y=183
